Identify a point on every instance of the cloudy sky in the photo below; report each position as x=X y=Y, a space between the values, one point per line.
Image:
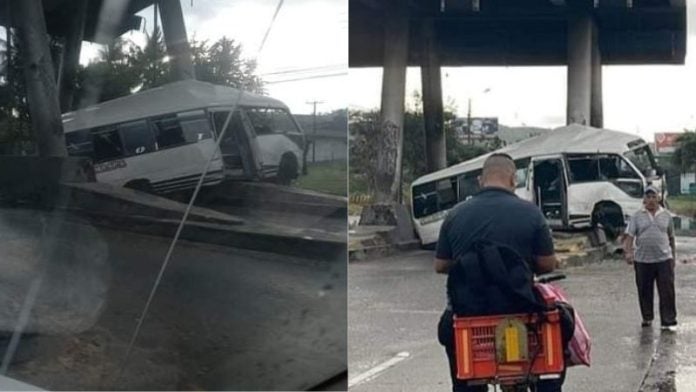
x=637 y=99
x=308 y=41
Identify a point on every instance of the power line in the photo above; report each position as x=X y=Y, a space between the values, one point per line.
x=308 y=77
x=307 y=69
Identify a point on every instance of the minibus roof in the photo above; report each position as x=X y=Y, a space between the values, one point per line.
x=570 y=139
x=169 y=98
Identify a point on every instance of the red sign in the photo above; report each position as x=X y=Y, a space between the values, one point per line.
x=666 y=142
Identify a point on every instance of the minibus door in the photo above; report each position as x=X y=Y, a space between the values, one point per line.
x=550 y=187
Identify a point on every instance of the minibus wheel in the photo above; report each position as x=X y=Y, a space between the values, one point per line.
x=287 y=170
x=609 y=216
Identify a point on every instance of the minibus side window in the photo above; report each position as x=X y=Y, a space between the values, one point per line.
x=468 y=184
x=446 y=193
x=107 y=144
x=168 y=132
x=522 y=166
x=268 y=121
x=424 y=200
x=613 y=167
x=137 y=137
x=195 y=126
x=583 y=169
x=79 y=143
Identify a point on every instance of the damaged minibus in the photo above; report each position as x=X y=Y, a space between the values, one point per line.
x=579 y=177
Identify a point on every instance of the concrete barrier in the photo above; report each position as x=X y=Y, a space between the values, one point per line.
x=36 y=180
x=275 y=197
x=98 y=199
x=63 y=185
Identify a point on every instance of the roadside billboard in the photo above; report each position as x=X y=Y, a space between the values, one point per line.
x=479 y=126
x=666 y=143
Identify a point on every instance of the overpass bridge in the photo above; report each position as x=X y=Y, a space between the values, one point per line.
x=580 y=34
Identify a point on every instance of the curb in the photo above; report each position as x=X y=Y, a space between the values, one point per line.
x=368 y=252
x=586 y=257
x=274 y=197
x=237 y=236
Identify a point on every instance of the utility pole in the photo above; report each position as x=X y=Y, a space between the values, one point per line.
x=468 y=123
x=314 y=129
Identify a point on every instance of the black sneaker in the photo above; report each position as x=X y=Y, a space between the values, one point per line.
x=646 y=323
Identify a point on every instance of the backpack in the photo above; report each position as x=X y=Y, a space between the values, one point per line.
x=491 y=279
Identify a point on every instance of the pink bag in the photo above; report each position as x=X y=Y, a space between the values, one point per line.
x=579 y=345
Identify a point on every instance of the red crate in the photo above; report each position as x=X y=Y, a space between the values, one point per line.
x=476 y=353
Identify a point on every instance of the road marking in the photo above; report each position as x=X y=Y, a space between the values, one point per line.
x=414 y=311
x=372 y=373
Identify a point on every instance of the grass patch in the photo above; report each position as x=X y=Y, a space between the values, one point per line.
x=354 y=209
x=683 y=205
x=325 y=177
x=357 y=184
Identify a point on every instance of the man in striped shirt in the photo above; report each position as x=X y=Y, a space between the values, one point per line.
x=652 y=231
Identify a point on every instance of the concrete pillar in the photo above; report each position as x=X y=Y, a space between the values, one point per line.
x=57 y=55
x=42 y=92
x=596 y=103
x=71 y=55
x=579 y=66
x=175 y=39
x=387 y=179
x=435 y=141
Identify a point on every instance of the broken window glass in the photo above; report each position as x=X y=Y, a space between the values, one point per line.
x=643 y=159
x=269 y=120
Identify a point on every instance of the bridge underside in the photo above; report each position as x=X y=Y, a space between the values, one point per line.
x=519 y=32
x=60 y=13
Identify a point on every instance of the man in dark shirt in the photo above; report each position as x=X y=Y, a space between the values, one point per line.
x=498 y=215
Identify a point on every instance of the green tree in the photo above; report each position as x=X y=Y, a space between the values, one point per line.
x=124 y=67
x=363 y=130
x=222 y=63
x=685 y=153
x=149 y=62
x=460 y=152
x=111 y=76
x=15 y=126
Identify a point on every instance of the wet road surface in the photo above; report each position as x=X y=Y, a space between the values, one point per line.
x=394 y=305
x=223 y=318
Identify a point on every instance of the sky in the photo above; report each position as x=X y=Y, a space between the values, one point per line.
x=312 y=35
x=308 y=40
x=637 y=99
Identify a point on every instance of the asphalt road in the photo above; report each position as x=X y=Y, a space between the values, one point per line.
x=394 y=304
x=222 y=318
